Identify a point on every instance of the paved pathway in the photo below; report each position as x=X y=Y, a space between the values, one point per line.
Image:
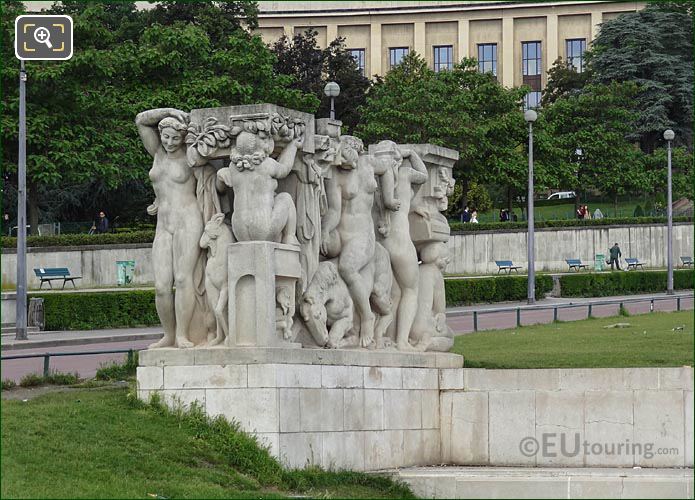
x=460 y=319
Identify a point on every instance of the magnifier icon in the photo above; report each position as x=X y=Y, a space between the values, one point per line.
x=42 y=35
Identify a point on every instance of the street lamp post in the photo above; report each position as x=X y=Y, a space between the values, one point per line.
x=332 y=90
x=21 y=308
x=530 y=116
x=669 y=135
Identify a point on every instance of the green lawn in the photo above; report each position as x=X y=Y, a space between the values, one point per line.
x=101 y=443
x=650 y=340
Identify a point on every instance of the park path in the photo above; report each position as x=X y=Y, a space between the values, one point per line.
x=460 y=319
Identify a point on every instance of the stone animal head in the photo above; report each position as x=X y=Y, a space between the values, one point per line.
x=313 y=304
x=172 y=133
x=283 y=297
x=436 y=253
x=214 y=230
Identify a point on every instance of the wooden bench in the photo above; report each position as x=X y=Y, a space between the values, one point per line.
x=507 y=265
x=576 y=264
x=633 y=263
x=48 y=274
x=687 y=261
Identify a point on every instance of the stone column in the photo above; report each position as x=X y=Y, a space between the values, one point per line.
x=419 y=45
x=552 y=50
x=375 y=49
x=463 y=34
x=596 y=19
x=288 y=31
x=331 y=33
x=508 y=50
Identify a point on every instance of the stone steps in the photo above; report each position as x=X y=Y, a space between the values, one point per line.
x=537 y=482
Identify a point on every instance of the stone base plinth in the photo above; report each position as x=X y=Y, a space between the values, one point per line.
x=342 y=409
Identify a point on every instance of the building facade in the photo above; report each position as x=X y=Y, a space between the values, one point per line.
x=517 y=41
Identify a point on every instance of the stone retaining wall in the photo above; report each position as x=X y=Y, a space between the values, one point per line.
x=471 y=252
x=498 y=417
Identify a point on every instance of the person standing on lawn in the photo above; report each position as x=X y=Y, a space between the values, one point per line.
x=615 y=255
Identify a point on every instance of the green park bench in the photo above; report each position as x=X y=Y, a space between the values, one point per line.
x=48 y=274
x=633 y=263
x=687 y=261
x=506 y=265
x=576 y=264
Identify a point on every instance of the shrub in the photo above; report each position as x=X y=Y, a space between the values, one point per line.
x=517 y=226
x=496 y=289
x=88 y=311
x=119 y=371
x=67 y=240
x=8 y=384
x=621 y=283
x=54 y=378
x=638 y=211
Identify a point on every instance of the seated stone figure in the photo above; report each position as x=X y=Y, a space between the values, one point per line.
x=259 y=213
x=430 y=331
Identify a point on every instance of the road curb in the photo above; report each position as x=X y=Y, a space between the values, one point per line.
x=40 y=344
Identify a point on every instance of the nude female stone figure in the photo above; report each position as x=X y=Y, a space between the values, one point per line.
x=347 y=228
x=397 y=242
x=175 y=250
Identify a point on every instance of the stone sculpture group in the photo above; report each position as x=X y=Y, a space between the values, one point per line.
x=275 y=230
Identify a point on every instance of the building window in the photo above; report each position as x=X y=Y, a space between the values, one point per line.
x=532 y=100
x=443 y=58
x=487 y=58
x=358 y=56
x=396 y=55
x=575 y=53
x=531 y=65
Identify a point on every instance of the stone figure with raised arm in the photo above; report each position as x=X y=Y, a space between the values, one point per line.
x=347 y=230
x=397 y=242
x=259 y=213
x=177 y=257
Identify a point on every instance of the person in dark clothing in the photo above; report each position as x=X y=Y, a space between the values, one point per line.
x=466 y=215
x=102 y=224
x=615 y=255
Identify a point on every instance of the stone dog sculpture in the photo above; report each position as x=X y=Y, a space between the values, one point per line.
x=216 y=237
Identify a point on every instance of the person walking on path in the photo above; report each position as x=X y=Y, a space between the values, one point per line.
x=466 y=215
x=615 y=255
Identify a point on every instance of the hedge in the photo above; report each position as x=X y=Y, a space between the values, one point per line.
x=97 y=310
x=496 y=289
x=621 y=283
x=69 y=240
x=628 y=221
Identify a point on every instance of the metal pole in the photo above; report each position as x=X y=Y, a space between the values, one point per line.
x=22 y=212
x=475 y=321
x=46 y=362
x=531 y=294
x=669 y=236
x=332 y=108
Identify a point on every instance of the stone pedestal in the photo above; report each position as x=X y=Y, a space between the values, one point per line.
x=257 y=270
x=342 y=409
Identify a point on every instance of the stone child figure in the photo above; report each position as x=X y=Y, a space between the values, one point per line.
x=430 y=331
x=177 y=258
x=259 y=213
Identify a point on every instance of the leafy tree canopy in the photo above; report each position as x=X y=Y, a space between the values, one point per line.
x=652 y=47
x=313 y=67
x=81 y=136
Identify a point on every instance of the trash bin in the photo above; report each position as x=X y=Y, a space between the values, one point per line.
x=599 y=262
x=126 y=271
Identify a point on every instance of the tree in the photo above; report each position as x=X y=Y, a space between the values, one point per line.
x=81 y=136
x=590 y=129
x=652 y=47
x=563 y=79
x=462 y=109
x=313 y=67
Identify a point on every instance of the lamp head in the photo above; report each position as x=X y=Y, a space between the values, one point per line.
x=669 y=135
x=332 y=89
x=530 y=116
